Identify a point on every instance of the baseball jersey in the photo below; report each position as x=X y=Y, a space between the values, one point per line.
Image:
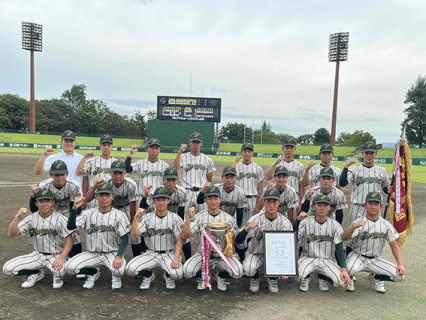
x=72 y=162
x=46 y=234
x=150 y=173
x=289 y=199
x=232 y=200
x=203 y=218
x=317 y=239
x=123 y=194
x=315 y=171
x=160 y=232
x=366 y=179
x=248 y=177
x=256 y=244
x=337 y=198
x=63 y=196
x=296 y=171
x=97 y=167
x=370 y=239
x=177 y=199
x=103 y=230
x=195 y=170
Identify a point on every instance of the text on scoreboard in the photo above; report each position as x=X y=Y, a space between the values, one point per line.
x=188 y=108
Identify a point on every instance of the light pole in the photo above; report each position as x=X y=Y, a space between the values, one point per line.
x=338 y=51
x=32 y=36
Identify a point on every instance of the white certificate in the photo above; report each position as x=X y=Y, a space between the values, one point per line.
x=280 y=254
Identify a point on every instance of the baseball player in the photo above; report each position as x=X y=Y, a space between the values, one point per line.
x=96 y=167
x=289 y=199
x=50 y=239
x=249 y=178
x=64 y=191
x=67 y=155
x=367 y=237
x=107 y=232
x=313 y=170
x=151 y=169
x=269 y=220
x=295 y=169
x=365 y=178
x=318 y=234
x=233 y=197
x=162 y=231
x=194 y=224
x=124 y=191
x=326 y=187
x=197 y=169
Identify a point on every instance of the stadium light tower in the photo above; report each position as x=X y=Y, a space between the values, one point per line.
x=338 y=51
x=32 y=36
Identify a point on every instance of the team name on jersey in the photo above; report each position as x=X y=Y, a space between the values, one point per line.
x=322 y=237
x=293 y=173
x=246 y=175
x=158 y=232
x=101 y=228
x=189 y=167
x=315 y=180
x=227 y=204
x=374 y=235
x=147 y=173
x=42 y=232
x=361 y=180
x=101 y=170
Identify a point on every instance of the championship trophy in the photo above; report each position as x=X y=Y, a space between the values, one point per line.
x=221 y=234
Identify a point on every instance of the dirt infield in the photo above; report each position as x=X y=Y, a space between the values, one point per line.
x=402 y=300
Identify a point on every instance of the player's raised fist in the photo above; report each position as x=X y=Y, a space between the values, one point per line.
x=206 y=185
x=134 y=148
x=310 y=192
x=21 y=212
x=191 y=212
x=78 y=203
x=360 y=223
x=238 y=157
x=88 y=154
x=183 y=147
x=302 y=215
x=48 y=151
x=280 y=158
x=99 y=181
x=350 y=162
x=270 y=185
x=311 y=164
x=139 y=213
x=148 y=188
x=34 y=189
x=251 y=225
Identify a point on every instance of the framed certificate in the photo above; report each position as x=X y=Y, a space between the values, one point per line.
x=280 y=253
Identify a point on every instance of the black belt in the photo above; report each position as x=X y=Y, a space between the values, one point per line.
x=194 y=189
x=164 y=251
x=368 y=257
x=45 y=253
x=251 y=196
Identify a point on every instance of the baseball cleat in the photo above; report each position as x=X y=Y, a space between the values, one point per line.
x=170 y=283
x=200 y=285
x=116 y=282
x=146 y=282
x=90 y=281
x=33 y=279
x=80 y=276
x=58 y=282
x=221 y=283
x=304 y=285
x=351 y=286
x=273 y=285
x=254 y=285
x=323 y=285
x=379 y=286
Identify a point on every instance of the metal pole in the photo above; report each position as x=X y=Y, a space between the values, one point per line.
x=245 y=124
x=190 y=85
x=252 y=132
x=32 y=100
x=336 y=90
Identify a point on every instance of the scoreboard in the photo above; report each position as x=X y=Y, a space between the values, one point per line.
x=188 y=109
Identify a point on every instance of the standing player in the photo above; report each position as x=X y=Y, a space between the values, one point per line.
x=270 y=220
x=318 y=234
x=249 y=178
x=288 y=196
x=96 y=167
x=313 y=170
x=326 y=187
x=47 y=230
x=296 y=170
x=107 y=234
x=162 y=231
x=67 y=155
x=197 y=169
x=194 y=224
x=365 y=178
x=367 y=237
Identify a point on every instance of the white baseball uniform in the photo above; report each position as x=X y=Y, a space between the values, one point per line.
x=232 y=200
x=123 y=194
x=316 y=170
x=150 y=173
x=289 y=200
x=296 y=171
x=337 y=198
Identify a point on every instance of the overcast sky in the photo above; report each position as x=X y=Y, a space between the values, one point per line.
x=269 y=56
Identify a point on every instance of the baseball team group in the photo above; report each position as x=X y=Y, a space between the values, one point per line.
x=170 y=204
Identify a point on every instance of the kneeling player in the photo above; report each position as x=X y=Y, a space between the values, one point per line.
x=161 y=230
x=106 y=238
x=317 y=234
x=47 y=229
x=268 y=220
x=367 y=237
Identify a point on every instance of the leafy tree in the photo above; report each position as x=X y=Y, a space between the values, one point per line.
x=5 y=122
x=358 y=138
x=342 y=137
x=234 y=132
x=321 y=136
x=306 y=139
x=416 y=113
x=139 y=119
x=266 y=127
x=151 y=115
x=18 y=111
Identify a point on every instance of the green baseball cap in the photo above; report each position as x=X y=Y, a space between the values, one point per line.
x=44 y=193
x=374 y=196
x=68 y=134
x=280 y=169
x=196 y=136
x=161 y=193
x=229 y=170
x=106 y=138
x=369 y=146
x=118 y=165
x=272 y=194
x=59 y=167
x=104 y=188
x=247 y=145
x=170 y=173
x=326 y=148
x=152 y=142
x=321 y=198
x=212 y=191
x=327 y=172
x=290 y=141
